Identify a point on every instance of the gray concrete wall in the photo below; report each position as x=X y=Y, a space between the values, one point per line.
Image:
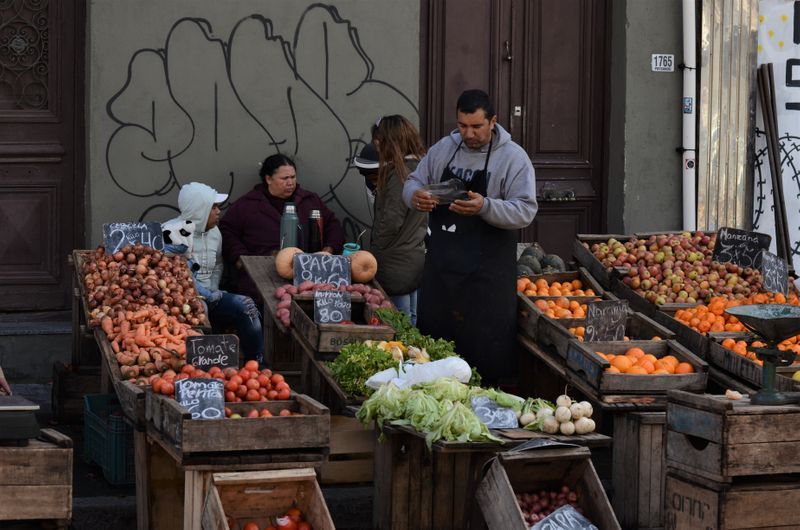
x=184 y=90
x=645 y=123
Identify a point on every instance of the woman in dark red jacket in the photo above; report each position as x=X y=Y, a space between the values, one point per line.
x=251 y=226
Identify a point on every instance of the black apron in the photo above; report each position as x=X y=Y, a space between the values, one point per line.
x=468 y=290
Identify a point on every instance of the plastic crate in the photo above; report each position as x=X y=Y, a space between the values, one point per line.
x=108 y=439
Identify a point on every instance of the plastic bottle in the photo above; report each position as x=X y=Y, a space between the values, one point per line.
x=289 y=226
x=314 y=232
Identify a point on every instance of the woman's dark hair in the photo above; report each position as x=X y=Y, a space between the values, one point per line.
x=271 y=164
x=471 y=100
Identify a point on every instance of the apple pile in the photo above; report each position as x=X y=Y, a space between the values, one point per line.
x=676 y=268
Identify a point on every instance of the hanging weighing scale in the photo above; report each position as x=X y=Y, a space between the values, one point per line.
x=773 y=323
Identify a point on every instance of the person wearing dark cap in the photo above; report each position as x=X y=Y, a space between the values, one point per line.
x=368 y=163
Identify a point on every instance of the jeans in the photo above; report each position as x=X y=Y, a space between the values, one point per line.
x=236 y=310
x=407 y=303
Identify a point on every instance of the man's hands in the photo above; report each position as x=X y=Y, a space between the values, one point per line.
x=472 y=206
x=423 y=201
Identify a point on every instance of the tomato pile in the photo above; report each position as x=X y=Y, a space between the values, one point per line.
x=292 y=520
x=246 y=384
x=255 y=413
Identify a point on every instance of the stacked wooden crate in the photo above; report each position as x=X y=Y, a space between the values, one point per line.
x=731 y=464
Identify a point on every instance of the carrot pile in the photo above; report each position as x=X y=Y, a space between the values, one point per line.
x=147 y=341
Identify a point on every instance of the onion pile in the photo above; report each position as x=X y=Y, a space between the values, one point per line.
x=538 y=505
x=139 y=276
x=372 y=296
x=569 y=417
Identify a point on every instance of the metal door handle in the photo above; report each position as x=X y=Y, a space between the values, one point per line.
x=507 y=45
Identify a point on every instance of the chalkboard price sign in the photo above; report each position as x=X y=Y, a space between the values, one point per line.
x=565 y=518
x=493 y=415
x=775 y=272
x=204 y=398
x=606 y=320
x=205 y=351
x=321 y=268
x=740 y=247
x=118 y=235
x=331 y=307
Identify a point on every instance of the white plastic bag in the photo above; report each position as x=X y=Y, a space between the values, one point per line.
x=413 y=374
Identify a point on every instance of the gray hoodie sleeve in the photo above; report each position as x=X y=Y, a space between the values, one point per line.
x=511 y=200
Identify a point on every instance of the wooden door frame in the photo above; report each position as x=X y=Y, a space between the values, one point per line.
x=81 y=207
x=431 y=105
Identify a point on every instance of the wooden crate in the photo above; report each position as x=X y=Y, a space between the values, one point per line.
x=745 y=369
x=415 y=487
x=70 y=384
x=326 y=340
x=319 y=383
x=175 y=424
x=36 y=480
x=533 y=323
x=638 y=469
x=261 y=495
x=352 y=453
x=692 y=502
x=720 y=439
x=691 y=338
x=581 y=357
x=585 y=257
x=131 y=396
x=556 y=332
x=541 y=469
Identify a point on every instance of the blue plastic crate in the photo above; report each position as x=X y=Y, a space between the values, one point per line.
x=108 y=439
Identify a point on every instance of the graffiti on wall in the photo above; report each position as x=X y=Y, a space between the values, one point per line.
x=209 y=108
x=779 y=44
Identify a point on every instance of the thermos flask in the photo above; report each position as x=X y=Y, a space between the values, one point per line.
x=289 y=226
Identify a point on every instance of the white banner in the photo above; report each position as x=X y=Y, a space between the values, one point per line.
x=779 y=44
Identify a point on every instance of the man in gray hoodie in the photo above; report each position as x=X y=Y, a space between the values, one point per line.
x=468 y=292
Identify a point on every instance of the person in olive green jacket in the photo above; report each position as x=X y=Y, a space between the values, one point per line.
x=398 y=232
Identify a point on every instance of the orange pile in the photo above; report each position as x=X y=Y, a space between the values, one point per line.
x=712 y=317
x=740 y=348
x=541 y=288
x=562 y=307
x=636 y=362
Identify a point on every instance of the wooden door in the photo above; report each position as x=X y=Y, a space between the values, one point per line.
x=41 y=150
x=544 y=64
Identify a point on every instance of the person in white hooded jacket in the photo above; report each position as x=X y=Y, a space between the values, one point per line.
x=199 y=203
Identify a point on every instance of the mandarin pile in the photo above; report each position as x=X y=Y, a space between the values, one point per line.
x=541 y=287
x=636 y=362
x=712 y=317
x=739 y=347
x=580 y=334
x=561 y=307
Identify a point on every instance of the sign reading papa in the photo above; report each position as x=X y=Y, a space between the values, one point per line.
x=321 y=268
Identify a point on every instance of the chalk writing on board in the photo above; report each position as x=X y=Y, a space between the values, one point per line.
x=740 y=247
x=206 y=351
x=775 y=273
x=118 y=235
x=203 y=398
x=331 y=307
x=321 y=268
x=606 y=320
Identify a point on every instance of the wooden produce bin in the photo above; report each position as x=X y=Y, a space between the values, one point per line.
x=259 y=496
x=638 y=469
x=176 y=426
x=556 y=332
x=131 y=397
x=352 y=455
x=693 y=502
x=581 y=358
x=719 y=439
x=531 y=320
x=318 y=383
x=420 y=488
x=326 y=340
x=689 y=337
x=581 y=250
x=743 y=368
x=541 y=469
x=36 y=480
